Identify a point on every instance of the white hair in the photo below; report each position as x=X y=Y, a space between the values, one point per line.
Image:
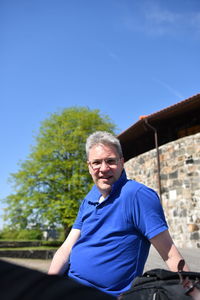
x=105 y=138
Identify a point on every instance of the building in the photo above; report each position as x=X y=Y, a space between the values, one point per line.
x=162 y=150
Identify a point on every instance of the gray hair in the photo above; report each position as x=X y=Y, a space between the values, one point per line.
x=105 y=138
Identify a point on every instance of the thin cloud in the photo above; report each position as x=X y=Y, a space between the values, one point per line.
x=195 y=23
x=152 y=18
x=169 y=88
x=114 y=56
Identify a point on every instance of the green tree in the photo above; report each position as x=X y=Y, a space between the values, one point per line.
x=54 y=179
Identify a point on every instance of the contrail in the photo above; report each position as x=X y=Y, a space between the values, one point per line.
x=167 y=86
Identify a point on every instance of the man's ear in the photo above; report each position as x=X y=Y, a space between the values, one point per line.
x=89 y=168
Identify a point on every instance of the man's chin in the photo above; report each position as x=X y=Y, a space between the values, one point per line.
x=105 y=188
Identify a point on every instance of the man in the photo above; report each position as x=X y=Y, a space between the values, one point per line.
x=117 y=222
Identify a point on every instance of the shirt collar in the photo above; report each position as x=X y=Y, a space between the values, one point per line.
x=94 y=194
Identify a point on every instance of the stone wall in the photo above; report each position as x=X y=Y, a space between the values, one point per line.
x=180 y=185
x=31 y=254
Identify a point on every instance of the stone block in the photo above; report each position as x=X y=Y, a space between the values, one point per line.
x=193 y=227
x=172 y=195
x=173 y=175
x=189 y=160
x=195 y=236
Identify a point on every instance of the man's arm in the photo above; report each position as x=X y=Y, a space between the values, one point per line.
x=168 y=251
x=60 y=260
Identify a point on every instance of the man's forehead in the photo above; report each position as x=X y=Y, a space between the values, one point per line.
x=99 y=149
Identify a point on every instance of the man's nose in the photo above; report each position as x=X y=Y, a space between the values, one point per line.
x=104 y=166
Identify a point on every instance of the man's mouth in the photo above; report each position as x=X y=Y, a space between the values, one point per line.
x=106 y=178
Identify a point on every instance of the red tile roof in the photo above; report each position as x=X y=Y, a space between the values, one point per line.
x=167 y=122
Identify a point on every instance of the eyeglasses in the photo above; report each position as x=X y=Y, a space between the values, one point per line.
x=97 y=163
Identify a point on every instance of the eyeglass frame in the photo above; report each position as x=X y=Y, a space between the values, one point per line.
x=105 y=161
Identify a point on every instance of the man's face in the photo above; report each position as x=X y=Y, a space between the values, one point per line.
x=105 y=167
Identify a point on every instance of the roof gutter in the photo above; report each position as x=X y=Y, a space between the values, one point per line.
x=157 y=155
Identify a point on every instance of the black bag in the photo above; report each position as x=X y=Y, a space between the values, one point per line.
x=160 y=284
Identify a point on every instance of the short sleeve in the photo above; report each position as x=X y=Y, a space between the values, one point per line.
x=148 y=214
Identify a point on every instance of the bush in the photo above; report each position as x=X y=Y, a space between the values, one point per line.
x=29 y=234
x=7 y=234
x=51 y=243
x=61 y=234
x=24 y=234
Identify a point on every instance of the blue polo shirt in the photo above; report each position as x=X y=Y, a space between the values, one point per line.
x=114 y=242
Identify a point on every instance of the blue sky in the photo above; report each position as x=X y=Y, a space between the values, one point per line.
x=126 y=58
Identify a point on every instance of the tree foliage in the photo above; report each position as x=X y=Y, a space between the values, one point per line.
x=54 y=178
